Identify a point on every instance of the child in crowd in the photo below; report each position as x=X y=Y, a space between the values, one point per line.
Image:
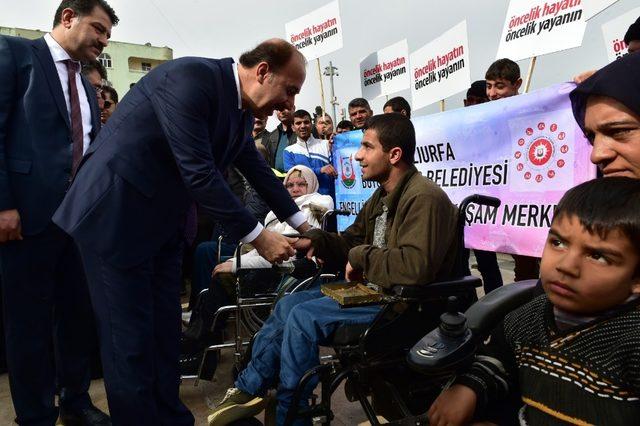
x=573 y=353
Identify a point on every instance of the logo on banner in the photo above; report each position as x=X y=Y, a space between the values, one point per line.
x=541 y=153
x=348 y=173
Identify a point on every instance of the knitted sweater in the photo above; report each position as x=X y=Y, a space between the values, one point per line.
x=588 y=374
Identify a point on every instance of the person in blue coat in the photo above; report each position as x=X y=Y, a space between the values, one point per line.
x=165 y=147
x=49 y=116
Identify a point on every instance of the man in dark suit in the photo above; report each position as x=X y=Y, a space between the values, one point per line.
x=166 y=146
x=48 y=117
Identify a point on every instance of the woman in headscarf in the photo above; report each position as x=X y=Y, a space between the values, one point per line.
x=607 y=108
x=302 y=184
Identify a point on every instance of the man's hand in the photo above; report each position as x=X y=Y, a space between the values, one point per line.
x=304 y=227
x=304 y=245
x=10 y=227
x=222 y=268
x=274 y=247
x=351 y=274
x=455 y=406
x=329 y=170
x=330 y=141
x=583 y=76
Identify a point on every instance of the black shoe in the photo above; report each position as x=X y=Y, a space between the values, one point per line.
x=190 y=363
x=89 y=416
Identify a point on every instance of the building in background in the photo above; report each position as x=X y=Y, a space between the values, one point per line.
x=126 y=63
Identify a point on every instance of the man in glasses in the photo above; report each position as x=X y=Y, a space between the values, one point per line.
x=110 y=102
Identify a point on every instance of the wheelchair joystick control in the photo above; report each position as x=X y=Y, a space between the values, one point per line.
x=452 y=322
x=447 y=348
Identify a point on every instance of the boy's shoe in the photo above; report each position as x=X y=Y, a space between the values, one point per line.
x=236 y=405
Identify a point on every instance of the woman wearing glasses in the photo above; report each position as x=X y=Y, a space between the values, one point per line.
x=302 y=185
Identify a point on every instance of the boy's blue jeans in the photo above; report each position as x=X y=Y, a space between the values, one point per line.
x=287 y=345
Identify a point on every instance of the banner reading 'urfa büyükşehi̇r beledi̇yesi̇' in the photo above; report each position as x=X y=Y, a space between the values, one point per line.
x=526 y=150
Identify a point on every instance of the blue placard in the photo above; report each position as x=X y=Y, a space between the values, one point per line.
x=351 y=190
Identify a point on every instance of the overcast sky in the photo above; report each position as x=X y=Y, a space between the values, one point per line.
x=220 y=28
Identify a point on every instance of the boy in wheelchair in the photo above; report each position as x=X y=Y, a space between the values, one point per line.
x=404 y=234
x=572 y=353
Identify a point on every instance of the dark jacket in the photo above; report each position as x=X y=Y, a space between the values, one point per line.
x=35 y=135
x=166 y=145
x=245 y=192
x=260 y=136
x=421 y=243
x=271 y=142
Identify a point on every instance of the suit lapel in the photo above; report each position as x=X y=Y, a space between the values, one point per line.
x=238 y=119
x=51 y=74
x=243 y=127
x=231 y=93
x=235 y=123
x=93 y=106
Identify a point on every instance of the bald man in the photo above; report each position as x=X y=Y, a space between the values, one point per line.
x=166 y=147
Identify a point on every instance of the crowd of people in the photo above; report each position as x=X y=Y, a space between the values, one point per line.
x=108 y=208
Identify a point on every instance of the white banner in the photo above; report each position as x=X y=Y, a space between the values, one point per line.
x=441 y=68
x=386 y=71
x=614 y=31
x=526 y=150
x=593 y=7
x=538 y=27
x=317 y=33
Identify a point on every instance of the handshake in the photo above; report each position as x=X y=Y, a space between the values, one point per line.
x=277 y=248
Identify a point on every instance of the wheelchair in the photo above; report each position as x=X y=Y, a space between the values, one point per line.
x=451 y=348
x=371 y=359
x=253 y=303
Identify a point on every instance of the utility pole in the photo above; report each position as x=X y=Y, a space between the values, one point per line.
x=331 y=71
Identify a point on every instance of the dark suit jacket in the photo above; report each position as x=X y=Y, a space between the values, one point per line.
x=35 y=135
x=167 y=143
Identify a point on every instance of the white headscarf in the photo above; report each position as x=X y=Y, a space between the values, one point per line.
x=307 y=174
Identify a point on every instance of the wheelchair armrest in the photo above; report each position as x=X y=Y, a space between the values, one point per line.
x=484 y=315
x=438 y=289
x=392 y=330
